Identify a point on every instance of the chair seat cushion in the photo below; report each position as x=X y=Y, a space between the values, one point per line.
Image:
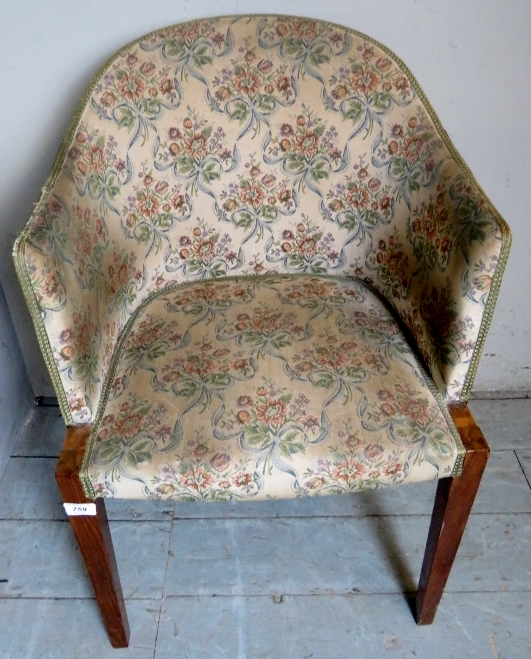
x=266 y=387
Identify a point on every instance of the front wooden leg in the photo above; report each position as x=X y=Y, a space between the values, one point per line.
x=94 y=538
x=453 y=502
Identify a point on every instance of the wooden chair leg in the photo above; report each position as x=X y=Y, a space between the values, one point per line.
x=94 y=538
x=453 y=502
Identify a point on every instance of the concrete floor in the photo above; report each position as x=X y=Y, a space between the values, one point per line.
x=301 y=579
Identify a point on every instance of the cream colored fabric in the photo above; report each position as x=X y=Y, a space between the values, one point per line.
x=268 y=387
x=255 y=145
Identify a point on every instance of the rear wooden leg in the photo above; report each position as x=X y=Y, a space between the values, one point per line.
x=94 y=538
x=453 y=502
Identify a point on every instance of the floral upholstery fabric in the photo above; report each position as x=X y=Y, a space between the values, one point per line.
x=266 y=387
x=256 y=145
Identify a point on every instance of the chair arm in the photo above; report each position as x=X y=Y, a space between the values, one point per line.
x=445 y=256
x=64 y=301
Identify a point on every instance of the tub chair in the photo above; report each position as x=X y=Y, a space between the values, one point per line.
x=260 y=269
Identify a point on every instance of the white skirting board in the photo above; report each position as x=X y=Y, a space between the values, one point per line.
x=501 y=394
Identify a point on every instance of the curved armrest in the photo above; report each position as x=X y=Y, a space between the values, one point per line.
x=64 y=302
x=440 y=265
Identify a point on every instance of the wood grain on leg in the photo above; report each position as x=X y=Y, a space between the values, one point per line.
x=94 y=538
x=451 y=509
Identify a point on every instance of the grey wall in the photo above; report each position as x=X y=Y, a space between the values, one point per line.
x=16 y=402
x=472 y=57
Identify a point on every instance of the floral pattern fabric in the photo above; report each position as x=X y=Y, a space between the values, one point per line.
x=266 y=387
x=256 y=145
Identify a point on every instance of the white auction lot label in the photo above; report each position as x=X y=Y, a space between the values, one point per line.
x=73 y=509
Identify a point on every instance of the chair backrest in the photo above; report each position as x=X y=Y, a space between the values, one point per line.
x=245 y=145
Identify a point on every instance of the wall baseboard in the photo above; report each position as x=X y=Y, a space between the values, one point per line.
x=501 y=394
x=46 y=401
